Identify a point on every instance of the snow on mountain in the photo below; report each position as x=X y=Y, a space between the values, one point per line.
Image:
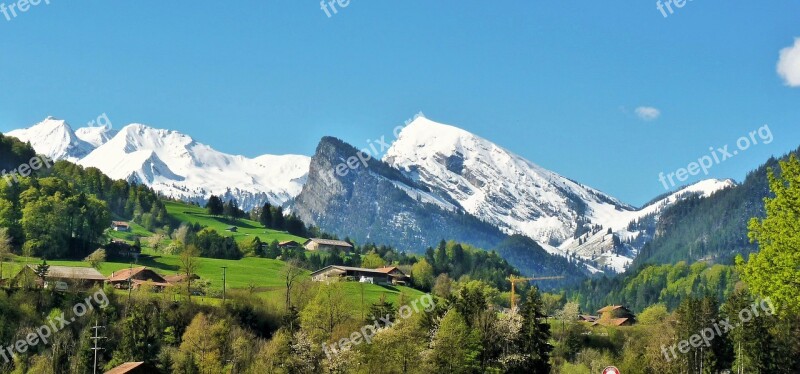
x=521 y=197
x=172 y=163
x=460 y=170
x=176 y=165
x=617 y=241
x=96 y=136
x=54 y=138
x=496 y=185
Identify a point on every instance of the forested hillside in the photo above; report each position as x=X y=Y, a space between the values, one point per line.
x=61 y=211
x=714 y=228
x=656 y=284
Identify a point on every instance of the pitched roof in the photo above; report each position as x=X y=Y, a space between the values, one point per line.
x=609 y=308
x=69 y=272
x=611 y=322
x=137 y=282
x=350 y=268
x=119 y=223
x=287 y=242
x=124 y=275
x=125 y=368
x=337 y=243
x=389 y=270
x=177 y=278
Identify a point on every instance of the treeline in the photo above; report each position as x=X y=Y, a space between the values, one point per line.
x=126 y=200
x=656 y=284
x=713 y=228
x=14 y=153
x=530 y=258
x=455 y=260
x=272 y=217
x=456 y=331
x=62 y=211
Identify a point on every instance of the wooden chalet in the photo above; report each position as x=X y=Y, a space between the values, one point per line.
x=73 y=277
x=316 y=244
x=615 y=315
x=385 y=275
x=136 y=277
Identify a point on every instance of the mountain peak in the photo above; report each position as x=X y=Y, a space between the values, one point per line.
x=423 y=131
x=497 y=185
x=170 y=162
x=54 y=138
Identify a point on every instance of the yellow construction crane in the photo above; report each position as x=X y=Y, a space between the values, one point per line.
x=514 y=280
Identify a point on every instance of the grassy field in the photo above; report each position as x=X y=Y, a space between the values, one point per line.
x=247 y=229
x=259 y=275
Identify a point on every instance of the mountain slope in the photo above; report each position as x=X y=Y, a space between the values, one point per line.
x=712 y=229
x=172 y=163
x=377 y=203
x=96 y=136
x=520 y=197
x=617 y=242
x=54 y=138
x=496 y=185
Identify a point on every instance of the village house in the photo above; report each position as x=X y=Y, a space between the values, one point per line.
x=327 y=245
x=61 y=278
x=136 y=277
x=386 y=275
x=120 y=226
x=289 y=244
x=615 y=315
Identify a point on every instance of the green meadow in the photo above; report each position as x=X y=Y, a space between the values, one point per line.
x=260 y=276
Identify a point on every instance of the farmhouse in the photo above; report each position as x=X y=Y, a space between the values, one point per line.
x=385 y=275
x=120 y=226
x=316 y=244
x=289 y=244
x=137 y=277
x=179 y=278
x=615 y=315
x=60 y=277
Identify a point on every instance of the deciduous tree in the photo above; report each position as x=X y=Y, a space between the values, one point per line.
x=772 y=272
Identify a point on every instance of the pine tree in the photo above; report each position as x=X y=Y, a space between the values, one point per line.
x=265 y=216
x=753 y=346
x=41 y=270
x=535 y=334
x=441 y=263
x=214 y=206
x=277 y=218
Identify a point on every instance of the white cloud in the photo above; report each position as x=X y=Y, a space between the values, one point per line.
x=648 y=113
x=789 y=64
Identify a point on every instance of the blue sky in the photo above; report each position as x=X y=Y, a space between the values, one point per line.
x=556 y=82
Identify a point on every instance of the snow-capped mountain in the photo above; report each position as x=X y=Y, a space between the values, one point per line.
x=171 y=163
x=618 y=240
x=518 y=196
x=496 y=185
x=436 y=169
x=54 y=138
x=96 y=135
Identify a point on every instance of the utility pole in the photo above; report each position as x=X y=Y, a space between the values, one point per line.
x=96 y=338
x=224 y=271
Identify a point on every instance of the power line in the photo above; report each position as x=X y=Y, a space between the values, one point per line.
x=96 y=338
